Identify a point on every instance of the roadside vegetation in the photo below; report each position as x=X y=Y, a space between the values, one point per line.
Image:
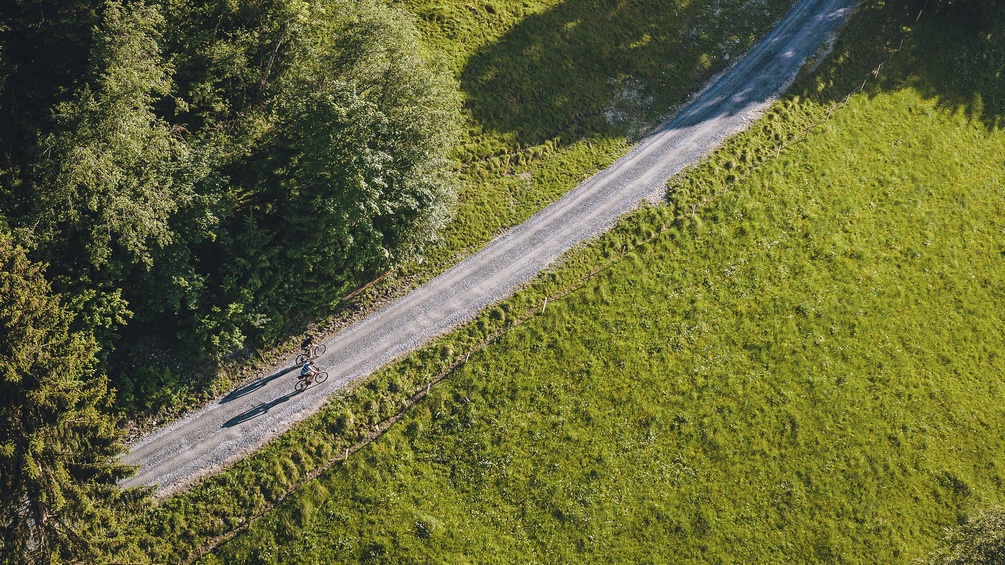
x=191 y=148
x=200 y=223
x=508 y=169
x=555 y=91
x=203 y=178
x=182 y=182
x=792 y=360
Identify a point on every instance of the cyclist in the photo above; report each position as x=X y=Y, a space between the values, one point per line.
x=309 y=370
x=307 y=343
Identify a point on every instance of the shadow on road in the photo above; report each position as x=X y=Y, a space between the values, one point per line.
x=258 y=410
x=253 y=386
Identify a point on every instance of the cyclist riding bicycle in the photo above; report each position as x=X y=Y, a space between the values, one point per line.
x=309 y=370
x=307 y=343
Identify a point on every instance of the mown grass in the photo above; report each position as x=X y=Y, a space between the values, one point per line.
x=554 y=91
x=802 y=369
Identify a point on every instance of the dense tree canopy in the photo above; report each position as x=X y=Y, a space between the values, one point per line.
x=195 y=174
x=208 y=172
x=114 y=168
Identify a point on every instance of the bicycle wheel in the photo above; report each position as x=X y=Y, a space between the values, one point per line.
x=319 y=349
x=301 y=359
x=302 y=385
x=321 y=377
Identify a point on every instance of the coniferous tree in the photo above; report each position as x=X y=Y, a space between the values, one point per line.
x=58 y=446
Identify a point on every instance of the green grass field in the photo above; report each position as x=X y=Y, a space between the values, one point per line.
x=802 y=370
x=805 y=370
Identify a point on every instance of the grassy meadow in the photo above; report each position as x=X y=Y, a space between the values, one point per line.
x=805 y=369
x=554 y=91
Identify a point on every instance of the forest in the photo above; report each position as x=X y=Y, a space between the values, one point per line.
x=203 y=177
x=183 y=182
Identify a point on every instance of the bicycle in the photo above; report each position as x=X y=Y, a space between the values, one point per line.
x=304 y=382
x=316 y=351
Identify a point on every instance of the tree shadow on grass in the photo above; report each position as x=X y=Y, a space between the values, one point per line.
x=953 y=54
x=258 y=410
x=605 y=67
x=254 y=385
x=963 y=66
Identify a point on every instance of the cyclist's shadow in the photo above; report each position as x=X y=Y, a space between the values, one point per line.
x=258 y=410
x=254 y=385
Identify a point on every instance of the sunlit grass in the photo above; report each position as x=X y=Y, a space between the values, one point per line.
x=555 y=90
x=805 y=376
x=803 y=370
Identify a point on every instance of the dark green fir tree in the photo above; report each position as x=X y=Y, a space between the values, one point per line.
x=59 y=446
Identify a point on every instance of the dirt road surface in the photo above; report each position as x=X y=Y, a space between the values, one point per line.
x=246 y=418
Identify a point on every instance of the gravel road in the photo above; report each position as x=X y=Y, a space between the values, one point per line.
x=246 y=418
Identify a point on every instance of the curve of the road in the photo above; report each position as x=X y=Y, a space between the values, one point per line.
x=248 y=417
